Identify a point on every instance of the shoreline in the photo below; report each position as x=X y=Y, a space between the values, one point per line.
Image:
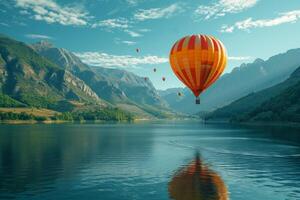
x=138 y=120
x=141 y=120
x=285 y=124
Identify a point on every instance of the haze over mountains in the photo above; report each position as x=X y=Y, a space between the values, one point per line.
x=277 y=103
x=113 y=85
x=45 y=76
x=243 y=80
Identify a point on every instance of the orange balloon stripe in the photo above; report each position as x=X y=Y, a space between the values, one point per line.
x=215 y=63
x=209 y=62
x=181 y=65
x=182 y=79
x=203 y=53
x=214 y=59
x=192 y=42
x=180 y=43
x=204 y=44
x=225 y=60
x=222 y=65
x=207 y=70
x=197 y=53
x=174 y=64
x=218 y=69
x=177 y=70
x=189 y=75
x=172 y=50
x=177 y=67
x=183 y=61
x=210 y=54
x=191 y=59
x=204 y=61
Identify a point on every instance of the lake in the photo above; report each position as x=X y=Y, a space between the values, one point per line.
x=149 y=160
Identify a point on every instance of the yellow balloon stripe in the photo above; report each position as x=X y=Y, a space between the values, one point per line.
x=197 y=60
x=222 y=65
x=176 y=67
x=216 y=60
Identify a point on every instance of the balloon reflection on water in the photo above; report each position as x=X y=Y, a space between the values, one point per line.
x=197 y=182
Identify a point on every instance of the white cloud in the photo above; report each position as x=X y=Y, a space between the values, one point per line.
x=144 y=30
x=128 y=42
x=239 y=58
x=287 y=17
x=120 y=24
x=157 y=13
x=112 y=23
x=132 y=2
x=133 y=33
x=110 y=61
x=227 y=29
x=38 y=36
x=4 y=24
x=223 y=7
x=50 y=12
x=24 y=12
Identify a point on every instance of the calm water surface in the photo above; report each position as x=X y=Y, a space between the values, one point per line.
x=158 y=160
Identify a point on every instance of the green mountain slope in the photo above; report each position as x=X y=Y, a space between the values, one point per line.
x=278 y=103
x=119 y=87
x=251 y=77
x=33 y=80
x=7 y=102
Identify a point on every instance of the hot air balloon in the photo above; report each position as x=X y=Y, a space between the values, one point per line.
x=179 y=94
x=137 y=50
x=163 y=78
x=154 y=69
x=197 y=182
x=198 y=61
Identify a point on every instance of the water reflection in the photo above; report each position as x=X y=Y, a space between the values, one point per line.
x=34 y=158
x=135 y=161
x=197 y=182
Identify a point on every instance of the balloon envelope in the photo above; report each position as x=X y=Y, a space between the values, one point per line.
x=198 y=61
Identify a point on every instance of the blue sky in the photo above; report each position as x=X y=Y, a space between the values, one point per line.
x=107 y=32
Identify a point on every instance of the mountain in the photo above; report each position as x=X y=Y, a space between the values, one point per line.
x=252 y=103
x=28 y=79
x=171 y=96
x=60 y=56
x=118 y=87
x=251 y=77
x=282 y=107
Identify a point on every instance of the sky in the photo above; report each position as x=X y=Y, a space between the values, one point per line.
x=107 y=32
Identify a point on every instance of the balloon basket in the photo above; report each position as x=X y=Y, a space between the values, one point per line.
x=197 y=100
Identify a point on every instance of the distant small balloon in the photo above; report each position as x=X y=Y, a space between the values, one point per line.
x=163 y=78
x=137 y=50
x=154 y=69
